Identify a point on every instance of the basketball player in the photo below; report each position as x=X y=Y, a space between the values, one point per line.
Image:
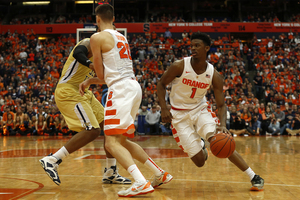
x=113 y=63
x=191 y=116
x=82 y=113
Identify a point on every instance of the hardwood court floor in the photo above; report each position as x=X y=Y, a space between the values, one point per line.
x=276 y=159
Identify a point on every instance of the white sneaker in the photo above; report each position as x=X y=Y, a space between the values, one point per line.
x=164 y=178
x=137 y=188
x=111 y=176
x=50 y=165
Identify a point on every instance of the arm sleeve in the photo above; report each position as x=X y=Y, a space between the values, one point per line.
x=80 y=54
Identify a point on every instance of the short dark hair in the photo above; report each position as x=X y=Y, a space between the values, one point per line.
x=105 y=12
x=201 y=36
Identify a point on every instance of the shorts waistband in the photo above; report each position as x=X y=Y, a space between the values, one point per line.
x=117 y=81
x=178 y=108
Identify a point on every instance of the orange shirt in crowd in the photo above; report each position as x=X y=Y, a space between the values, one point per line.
x=4 y=117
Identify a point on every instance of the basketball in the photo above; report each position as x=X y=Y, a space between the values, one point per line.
x=222 y=145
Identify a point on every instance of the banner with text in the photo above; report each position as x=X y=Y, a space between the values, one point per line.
x=161 y=27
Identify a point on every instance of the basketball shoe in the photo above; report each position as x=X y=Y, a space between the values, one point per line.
x=137 y=188
x=257 y=183
x=164 y=178
x=111 y=175
x=50 y=165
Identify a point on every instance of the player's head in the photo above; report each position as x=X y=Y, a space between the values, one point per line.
x=104 y=14
x=200 y=44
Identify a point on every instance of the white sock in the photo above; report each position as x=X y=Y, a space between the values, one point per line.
x=250 y=173
x=153 y=167
x=110 y=162
x=136 y=173
x=61 y=153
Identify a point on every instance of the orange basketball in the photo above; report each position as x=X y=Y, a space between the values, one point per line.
x=222 y=145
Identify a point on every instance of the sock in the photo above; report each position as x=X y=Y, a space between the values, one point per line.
x=136 y=173
x=110 y=162
x=250 y=173
x=153 y=167
x=61 y=153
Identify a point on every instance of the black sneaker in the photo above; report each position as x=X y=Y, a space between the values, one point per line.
x=257 y=183
x=111 y=176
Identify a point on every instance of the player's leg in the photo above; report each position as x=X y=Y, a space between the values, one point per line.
x=206 y=127
x=121 y=108
x=141 y=186
x=256 y=180
x=79 y=117
x=138 y=153
x=111 y=174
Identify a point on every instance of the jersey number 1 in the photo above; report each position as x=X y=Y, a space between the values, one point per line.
x=124 y=48
x=193 y=92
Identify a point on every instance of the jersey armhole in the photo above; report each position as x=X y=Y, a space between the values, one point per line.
x=178 y=77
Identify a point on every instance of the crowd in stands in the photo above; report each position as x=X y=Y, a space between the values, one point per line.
x=258 y=17
x=30 y=69
x=30 y=19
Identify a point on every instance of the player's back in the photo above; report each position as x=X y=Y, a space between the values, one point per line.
x=73 y=72
x=117 y=62
x=189 y=90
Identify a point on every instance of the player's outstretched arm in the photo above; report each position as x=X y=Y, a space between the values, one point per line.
x=217 y=83
x=96 y=43
x=85 y=84
x=175 y=70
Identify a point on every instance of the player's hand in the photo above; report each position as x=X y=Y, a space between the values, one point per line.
x=82 y=86
x=91 y=66
x=222 y=129
x=166 y=116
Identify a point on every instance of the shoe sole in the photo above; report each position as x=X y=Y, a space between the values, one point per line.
x=42 y=165
x=256 y=189
x=111 y=182
x=162 y=183
x=132 y=195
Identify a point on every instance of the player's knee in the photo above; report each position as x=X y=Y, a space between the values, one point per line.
x=94 y=133
x=200 y=163
x=109 y=145
x=198 y=159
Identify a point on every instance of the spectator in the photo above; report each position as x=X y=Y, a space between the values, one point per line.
x=279 y=115
x=295 y=128
x=152 y=118
x=255 y=126
x=274 y=127
x=237 y=125
x=266 y=120
x=167 y=33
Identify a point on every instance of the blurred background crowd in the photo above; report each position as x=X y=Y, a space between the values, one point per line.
x=261 y=76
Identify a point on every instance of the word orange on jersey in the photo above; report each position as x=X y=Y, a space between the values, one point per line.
x=197 y=84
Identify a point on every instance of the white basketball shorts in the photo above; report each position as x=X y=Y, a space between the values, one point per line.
x=123 y=101
x=188 y=126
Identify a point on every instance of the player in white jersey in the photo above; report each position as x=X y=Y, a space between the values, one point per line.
x=83 y=114
x=113 y=63
x=191 y=116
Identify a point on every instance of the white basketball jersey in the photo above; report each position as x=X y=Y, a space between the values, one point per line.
x=189 y=90
x=117 y=62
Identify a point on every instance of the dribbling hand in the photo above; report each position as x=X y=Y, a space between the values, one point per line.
x=222 y=129
x=166 y=116
x=82 y=86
